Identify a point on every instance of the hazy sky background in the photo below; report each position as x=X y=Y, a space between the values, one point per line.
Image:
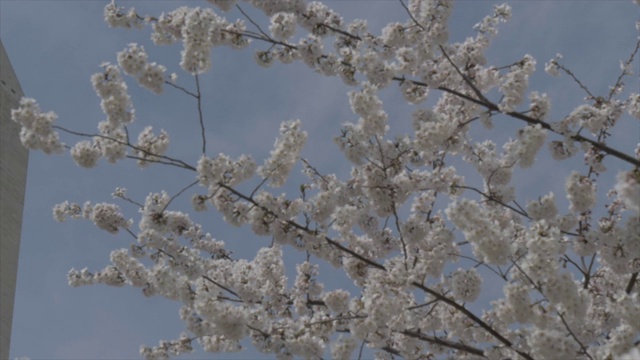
x=55 y=46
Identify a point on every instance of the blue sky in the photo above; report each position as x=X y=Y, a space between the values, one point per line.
x=55 y=46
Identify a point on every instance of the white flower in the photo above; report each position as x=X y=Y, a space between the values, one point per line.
x=224 y=5
x=413 y=93
x=628 y=189
x=133 y=61
x=283 y=25
x=488 y=240
x=466 y=284
x=108 y=217
x=116 y=17
x=285 y=153
x=151 y=146
x=431 y=129
x=551 y=67
x=515 y=83
x=264 y=58
x=37 y=127
x=581 y=192
x=552 y=344
x=633 y=105
x=64 y=209
x=78 y=278
x=367 y=104
x=197 y=30
x=119 y=192
x=337 y=301
x=343 y=348
x=540 y=105
x=199 y=202
x=545 y=208
x=634 y=353
x=530 y=140
x=113 y=142
x=589 y=117
x=86 y=154
x=115 y=103
x=561 y=150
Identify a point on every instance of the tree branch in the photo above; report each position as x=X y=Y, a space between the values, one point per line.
x=200 y=117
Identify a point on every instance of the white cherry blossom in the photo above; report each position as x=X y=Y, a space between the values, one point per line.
x=563 y=284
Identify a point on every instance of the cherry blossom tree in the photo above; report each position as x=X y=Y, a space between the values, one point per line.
x=396 y=224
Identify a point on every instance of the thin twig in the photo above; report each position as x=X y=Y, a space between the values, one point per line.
x=580 y=84
x=181 y=88
x=221 y=286
x=157 y=161
x=179 y=163
x=566 y=259
x=315 y=171
x=582 y=346
x=623 y=73
x=253 y=22
x=411 y=15
x=129 y=200
x=443 y=342
x=202 y=131
x=178 y=194
x=341 y=32
x=361 y=348
x=481 y=263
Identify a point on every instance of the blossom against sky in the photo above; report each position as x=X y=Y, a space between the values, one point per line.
x=56 y=46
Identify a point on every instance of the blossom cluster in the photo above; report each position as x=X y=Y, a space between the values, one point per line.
x=150 y=146
x=105 y=216
x=285 y=153
x=134 y=61
x=515 y=83
x=37 y=132
x=396 y=223
x=581 y=192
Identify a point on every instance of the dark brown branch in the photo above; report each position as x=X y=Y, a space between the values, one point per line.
x=305 y=229
x=341 y=32
x=471 y=316
x=492 y=198
x=376 y=265
x=632 y=281
x=221 y=286
x=445 y=343
x=465 y=77
x=566 y=259
x=602 y=147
